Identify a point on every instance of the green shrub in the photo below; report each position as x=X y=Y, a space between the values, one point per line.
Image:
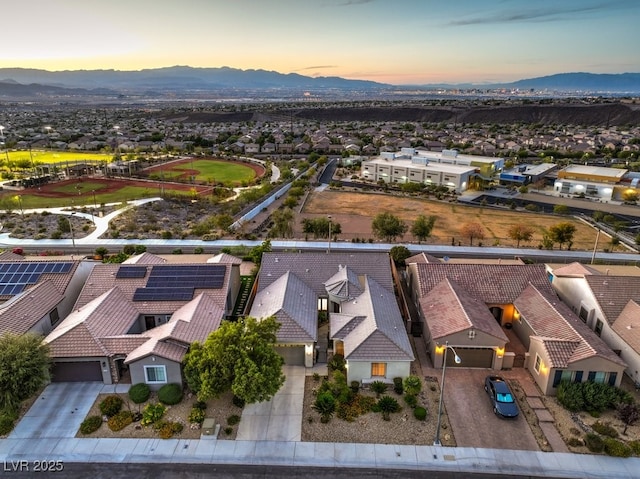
x=196 y=416
x=200 y=405
x=594 y=442
x=420 y=413
x=168 y=429
x=139 y=393
x=355 y=386
x=575 y=442
x=325 y=405
x=591 y=396
x=616 y=448
x=228 y=430
x=635 y=447
x=398 y=388
x=90 y=424
x=412 y=385
x=378 y=387
x=388 y=405
x=7 y=421
x=120 y=420
x=605 y=429
x=358 y=406
x=152 y=413
x=337 y=363
x=411 y=400
x=111 y=405
x=233 y=420
x=238 y=401
x=170 y=394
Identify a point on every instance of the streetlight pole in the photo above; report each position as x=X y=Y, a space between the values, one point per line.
x=436 y=441
x=329 y=250
x=73 y=238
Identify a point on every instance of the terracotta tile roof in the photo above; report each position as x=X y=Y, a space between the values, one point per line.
x=449 y=309
x=490 y=283
x=145 y=258
x=21 y=313
x=422 y=258
x=225 y=258
x=123 y=344
x=103 y=278
x=11 y=256
x=378 y=332
x=627 y=326
x=294 y=304
x=575 y=269
x=315 y=268
x=59 y=280
x=566 y=338
x=613 y=293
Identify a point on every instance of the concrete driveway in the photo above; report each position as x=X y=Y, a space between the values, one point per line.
x=472 y=419
x=279 y=419
x=58 y=411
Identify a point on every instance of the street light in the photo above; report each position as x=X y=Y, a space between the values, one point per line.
x=329 y=250
x=457 y=360
x=73 y=238
x=95 y=207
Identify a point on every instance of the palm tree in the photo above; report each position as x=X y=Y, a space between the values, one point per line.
x=325 y=405
x=387 y=405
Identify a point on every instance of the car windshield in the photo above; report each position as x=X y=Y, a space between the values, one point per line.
x=504 y=397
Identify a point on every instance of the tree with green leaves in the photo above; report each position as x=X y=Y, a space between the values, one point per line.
x=472 y=231
x=520 y=233
x=387 y=226
x=319 y=227
x=399 y=254
x=282 y=223
x=562 y=233
x=422 y=227
x=256 y=252
x=24 y=368
x=561 y=209
x=237 y=357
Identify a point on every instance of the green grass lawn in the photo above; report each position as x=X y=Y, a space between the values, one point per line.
x=218 y=171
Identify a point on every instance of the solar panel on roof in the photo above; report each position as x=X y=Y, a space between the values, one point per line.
x=163 y=294
x=131 y=272
x=14 y=277
x=194 y=276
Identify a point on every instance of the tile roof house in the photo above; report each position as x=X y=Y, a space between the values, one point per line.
x=606 y=304
x=141 y=317
x=36 y=295
x=485 y=310
x=355 y=292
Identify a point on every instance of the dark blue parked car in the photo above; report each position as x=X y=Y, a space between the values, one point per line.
x=504 y=404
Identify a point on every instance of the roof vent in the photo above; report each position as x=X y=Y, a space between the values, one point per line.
x=307 y=270
x=276 y=260
x=472 y=334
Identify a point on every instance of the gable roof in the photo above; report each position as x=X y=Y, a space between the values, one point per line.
x=344 y=284
x=225 y=258
x=315 y=268
x=565 y=337
x=575 y=269
x=613 y=293
x=490 y=283
x=627 y=326
x=21 y=313
x=295 y=306
x=376 y=330
x=449 y=309
x=422 y=258
x=144 y=258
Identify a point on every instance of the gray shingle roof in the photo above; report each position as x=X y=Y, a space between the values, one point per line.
x=344 y=284
x=490 y=283
x=294 y=304
x=316 y=268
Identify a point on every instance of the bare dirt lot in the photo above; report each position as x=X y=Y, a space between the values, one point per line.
x=355 y=211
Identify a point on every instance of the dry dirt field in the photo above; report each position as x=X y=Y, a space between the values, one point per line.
x=355 y=211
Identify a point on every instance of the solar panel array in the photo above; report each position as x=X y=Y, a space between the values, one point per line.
x=14 y=277
x=177 y=283
x=131 y=272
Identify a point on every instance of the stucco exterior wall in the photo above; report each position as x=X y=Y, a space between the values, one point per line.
x=173 y=369
x=359 y=370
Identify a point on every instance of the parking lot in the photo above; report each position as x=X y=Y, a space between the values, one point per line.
x=472 y=419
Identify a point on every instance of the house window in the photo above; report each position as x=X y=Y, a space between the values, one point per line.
x=155 y=374
x=612 y=379
x=323 y=304
x=537 y=364
x=584 y=314
x=596 y=376
x=54 y=317
x=379 y=369
x=598 y=329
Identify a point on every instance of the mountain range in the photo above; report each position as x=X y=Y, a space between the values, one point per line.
x=180 y=80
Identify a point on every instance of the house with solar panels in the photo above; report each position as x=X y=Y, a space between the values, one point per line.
x=35 y=295
x=135 y=321
x=345 y=298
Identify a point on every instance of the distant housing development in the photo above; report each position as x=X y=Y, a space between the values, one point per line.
x=446 y=168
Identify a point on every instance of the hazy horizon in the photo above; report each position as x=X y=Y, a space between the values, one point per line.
x=402 y=42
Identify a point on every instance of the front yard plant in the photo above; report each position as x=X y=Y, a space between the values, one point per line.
x=170 y=394
x=120 y=420
x=387 y=405
x=111 y=405
x=152 y=413
x=90 y=424
x=378 y=387
x=139 y=393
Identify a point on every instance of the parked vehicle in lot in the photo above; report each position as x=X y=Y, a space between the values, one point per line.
x=502 y=400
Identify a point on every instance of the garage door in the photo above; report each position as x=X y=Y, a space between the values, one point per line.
x=76 y=371
x=471 y=358
x=293 y=355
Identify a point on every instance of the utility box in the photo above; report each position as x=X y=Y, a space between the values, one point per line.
x=209 y=427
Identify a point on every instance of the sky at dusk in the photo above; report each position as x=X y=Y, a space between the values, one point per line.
x=389 y=41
